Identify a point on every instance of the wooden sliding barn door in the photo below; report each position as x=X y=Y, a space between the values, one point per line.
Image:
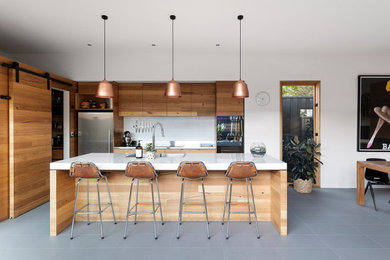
x=30 y=142
x=4 y=149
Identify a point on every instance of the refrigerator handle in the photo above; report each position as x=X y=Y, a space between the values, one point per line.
x=109 y=141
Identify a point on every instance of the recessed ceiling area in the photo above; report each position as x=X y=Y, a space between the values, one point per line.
x=269 y=26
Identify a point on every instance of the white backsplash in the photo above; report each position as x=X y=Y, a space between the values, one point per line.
x=187 y=131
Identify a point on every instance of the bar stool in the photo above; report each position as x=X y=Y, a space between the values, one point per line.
x=192 y=171
x=89 y=171
x=142 y=171
x=240 y=171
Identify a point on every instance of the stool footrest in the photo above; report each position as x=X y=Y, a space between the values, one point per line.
x=192 y=212
x=144 y=213
x=241 y=212
x=237 y=203
x=193 y=203
x=77 y=212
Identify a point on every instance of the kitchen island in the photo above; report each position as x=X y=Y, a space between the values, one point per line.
x=270 y=188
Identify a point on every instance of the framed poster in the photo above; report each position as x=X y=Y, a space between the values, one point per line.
x=373 y=113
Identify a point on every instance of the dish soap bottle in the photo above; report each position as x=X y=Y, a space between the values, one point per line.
x=139 y=150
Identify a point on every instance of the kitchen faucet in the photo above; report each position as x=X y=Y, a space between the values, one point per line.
x=154 y=135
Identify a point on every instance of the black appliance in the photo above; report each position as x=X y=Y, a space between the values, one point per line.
x=230 y=134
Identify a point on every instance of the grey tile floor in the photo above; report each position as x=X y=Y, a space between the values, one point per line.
x=327 y=224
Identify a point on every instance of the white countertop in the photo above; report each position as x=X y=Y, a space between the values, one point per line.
x=170 y=148
x=213 y=161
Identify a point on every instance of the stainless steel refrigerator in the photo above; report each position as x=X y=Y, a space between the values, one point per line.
x=95 y=132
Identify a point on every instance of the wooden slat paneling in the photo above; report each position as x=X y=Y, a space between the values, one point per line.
x=169 y=185
x=226 y=105
x=130 y=99
x=181 y=106
x=30 y=142
x=203 y=99
x=4 y=159
x=154 y=102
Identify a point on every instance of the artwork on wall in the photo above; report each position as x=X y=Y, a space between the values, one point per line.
x=373 y=113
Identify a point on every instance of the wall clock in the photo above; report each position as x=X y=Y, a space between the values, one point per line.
x=262 y=98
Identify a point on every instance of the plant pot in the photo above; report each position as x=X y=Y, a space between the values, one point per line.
x=150 y=156
x=303 y=186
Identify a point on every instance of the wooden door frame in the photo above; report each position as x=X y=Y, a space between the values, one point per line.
x=316 y=115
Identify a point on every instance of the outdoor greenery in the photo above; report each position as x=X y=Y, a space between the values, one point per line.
x=301 y=158
x=298 y=91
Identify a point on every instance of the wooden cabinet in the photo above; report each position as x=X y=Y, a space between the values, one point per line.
x=181 y=106
x=226 y=105
x=154 y=103
x=203 y=99
x=87 y=91
x=130 y=99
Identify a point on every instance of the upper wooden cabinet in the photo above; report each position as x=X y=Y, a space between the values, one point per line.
x=226 y=104
x=130 y=99
x=203 y=99
x=154 y=103
x=181 y=106
x=147 y=99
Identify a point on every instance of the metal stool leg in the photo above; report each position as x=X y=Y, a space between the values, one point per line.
x=100 y=210
x=159 y=202
x=154 y=210
x=88 y=201
x=247 y=196
x=254 y=210
x=373 y=196
x=180 y=209
x=128 y=208
x=224 y=206
x=205 y=210
x=109 y=196
x=74 y=210
x=230 y=201
x=136 y=204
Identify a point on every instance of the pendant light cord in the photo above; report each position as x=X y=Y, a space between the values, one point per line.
x=173 y=51
x=104 y=50
x=240 y=50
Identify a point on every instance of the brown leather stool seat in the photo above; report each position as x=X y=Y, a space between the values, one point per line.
x=87 y=171
x=240 y=171
x=142 y=171
x=192 y=170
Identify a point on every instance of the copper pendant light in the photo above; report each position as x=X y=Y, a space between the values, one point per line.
x=173 y=89
x=240 y=88
x=104 y=89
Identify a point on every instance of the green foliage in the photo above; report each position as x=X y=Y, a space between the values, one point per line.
x=220 y=129
x=149 y=147
x=298 y=91
x=301 y=158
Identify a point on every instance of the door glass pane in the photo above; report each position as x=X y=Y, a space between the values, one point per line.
x=298 y=106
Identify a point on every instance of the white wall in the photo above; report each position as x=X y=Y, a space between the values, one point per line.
x=196 y=129
x=338 y=74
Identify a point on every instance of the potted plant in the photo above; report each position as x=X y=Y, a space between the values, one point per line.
x=150 y=155
x=302 y=162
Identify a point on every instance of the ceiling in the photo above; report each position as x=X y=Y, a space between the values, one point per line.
x=269 y=26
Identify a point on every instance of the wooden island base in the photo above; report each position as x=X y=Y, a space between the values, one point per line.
x=270 y=190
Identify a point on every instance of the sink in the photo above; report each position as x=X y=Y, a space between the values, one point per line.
x=171 y=155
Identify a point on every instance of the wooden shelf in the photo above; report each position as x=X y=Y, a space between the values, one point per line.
x=94 y=109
